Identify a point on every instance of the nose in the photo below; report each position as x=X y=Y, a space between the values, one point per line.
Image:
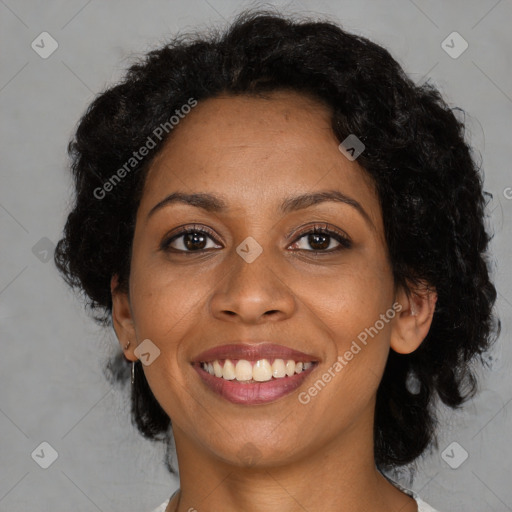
x=253 y=293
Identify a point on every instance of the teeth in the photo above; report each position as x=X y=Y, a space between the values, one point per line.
x=278 y=369
x=243 y=370
x=228 y=370
x=290 y=367
x=217 y=369
x=260 y=371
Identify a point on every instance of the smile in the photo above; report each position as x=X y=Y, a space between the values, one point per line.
x=253 y=373
x=261 y=370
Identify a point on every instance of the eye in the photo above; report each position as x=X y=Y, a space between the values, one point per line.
x=194 y=239
x=188 y=240
x=320 y=239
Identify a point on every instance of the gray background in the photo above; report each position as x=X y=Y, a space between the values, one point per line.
x=52 y=353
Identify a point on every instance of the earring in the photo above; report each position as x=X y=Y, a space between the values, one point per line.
x=133 y=364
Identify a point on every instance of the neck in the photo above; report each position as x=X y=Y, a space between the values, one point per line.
x=339 y=476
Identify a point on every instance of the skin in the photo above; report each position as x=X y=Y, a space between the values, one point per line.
x=255 y=152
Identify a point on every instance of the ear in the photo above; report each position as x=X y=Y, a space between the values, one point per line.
x=411 y=325
x=122 y=318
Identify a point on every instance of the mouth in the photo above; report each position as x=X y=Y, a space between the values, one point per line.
x=253 y=374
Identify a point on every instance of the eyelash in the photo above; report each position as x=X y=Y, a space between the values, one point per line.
x=345 y=243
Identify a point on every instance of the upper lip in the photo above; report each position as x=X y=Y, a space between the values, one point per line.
x=252 y=351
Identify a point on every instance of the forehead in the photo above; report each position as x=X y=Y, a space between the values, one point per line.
x=228 y=125
x=256 y=150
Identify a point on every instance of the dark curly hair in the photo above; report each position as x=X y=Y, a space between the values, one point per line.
x=428 y=184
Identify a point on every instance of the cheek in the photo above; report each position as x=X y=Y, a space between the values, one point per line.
x=165 y=307
x=164 y=296
x=349 y=297
x=353 y=308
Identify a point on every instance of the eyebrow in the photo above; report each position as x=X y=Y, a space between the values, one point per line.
x=212 y=203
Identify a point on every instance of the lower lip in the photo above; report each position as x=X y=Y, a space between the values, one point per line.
x=254 y=393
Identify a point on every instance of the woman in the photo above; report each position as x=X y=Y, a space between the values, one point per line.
x=287 y=236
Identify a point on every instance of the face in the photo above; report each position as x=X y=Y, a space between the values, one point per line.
x=254 y=271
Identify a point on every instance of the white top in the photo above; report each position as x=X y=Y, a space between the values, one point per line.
x=162 y=507
x=422 y=506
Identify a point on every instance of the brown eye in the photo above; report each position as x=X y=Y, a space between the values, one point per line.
x=320 y=239
x=188 y=241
